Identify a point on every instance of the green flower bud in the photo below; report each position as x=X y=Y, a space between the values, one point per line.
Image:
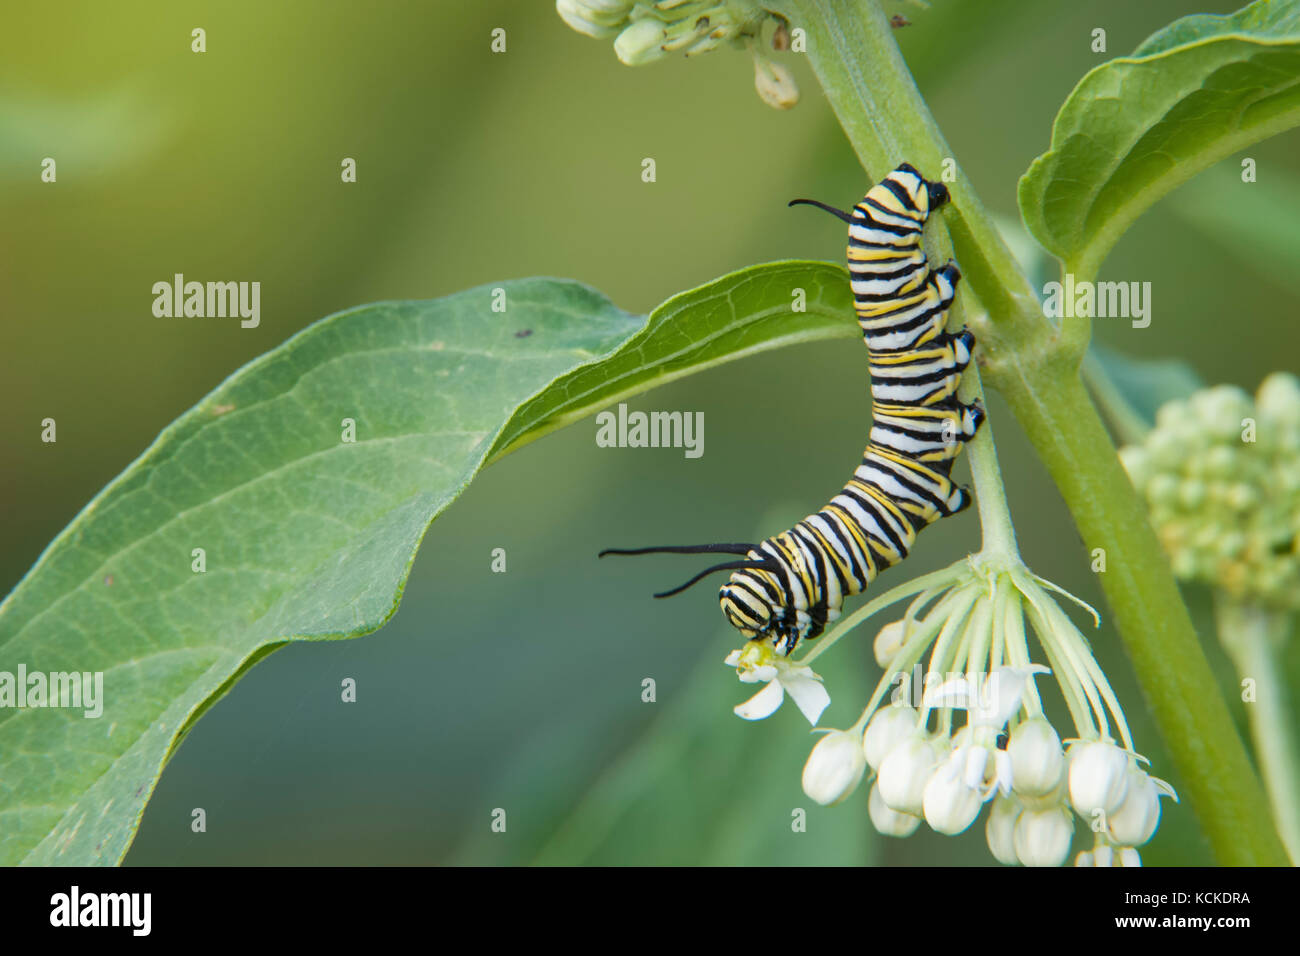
x=1170 y=416
x=640 y=43
x=1186 y=565
x=1163 y=488
x=1231 y=545
x=1166 y=447
x=1221 y=410
x=1191 y=494
x=1227 y=509
x=1219 y=461
x=1241 y=497
x=1278 y=398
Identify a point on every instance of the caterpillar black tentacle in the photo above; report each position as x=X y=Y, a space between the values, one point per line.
x=789 y=587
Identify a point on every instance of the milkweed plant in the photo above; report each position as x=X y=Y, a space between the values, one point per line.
x=991 y=710
x=956 y=721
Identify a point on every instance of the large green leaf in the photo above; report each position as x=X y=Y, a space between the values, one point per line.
x=308 y=537
x=1136 y=127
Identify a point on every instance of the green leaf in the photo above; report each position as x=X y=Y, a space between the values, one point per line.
x=1136 y=127
x=1132 y=390
x=308 y=537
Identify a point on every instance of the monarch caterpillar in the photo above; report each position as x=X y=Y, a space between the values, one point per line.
x=788 y=587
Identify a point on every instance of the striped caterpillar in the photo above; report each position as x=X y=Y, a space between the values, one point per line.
x=790 y=586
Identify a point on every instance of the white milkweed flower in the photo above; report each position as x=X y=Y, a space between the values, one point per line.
x=980 y=765
x=1000 y=829
x=1098 y=777
x=1106 y=855
x=1042 y=837
x=1037 y=760
x=889 y=641
x=834 y=768
x=889 y=726
x=888 y=821
x=757 y=662
x=991 y=700
x=1058 y=796
x=904 y=773
x=1136 y=819
x=949 y=802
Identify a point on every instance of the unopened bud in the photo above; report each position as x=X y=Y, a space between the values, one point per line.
x=889 y=726
x=1042 y=837
x=904 y=774
x=775 y=83
x=834 y=768
x=1098 y=777
x=1037 y=760
x=887 y=821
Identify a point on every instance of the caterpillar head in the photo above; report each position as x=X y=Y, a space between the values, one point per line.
x=922 y=195
x=748 y=608
x=925 y=195
x=937 y=193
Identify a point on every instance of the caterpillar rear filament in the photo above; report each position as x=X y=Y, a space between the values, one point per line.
x=792 y=585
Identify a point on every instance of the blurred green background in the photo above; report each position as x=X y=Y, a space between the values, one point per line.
x=522 y=690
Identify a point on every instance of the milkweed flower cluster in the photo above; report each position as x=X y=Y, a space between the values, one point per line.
x=1220 y=473
x=971 y=730
x=648 y=30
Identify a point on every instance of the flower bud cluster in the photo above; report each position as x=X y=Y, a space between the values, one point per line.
x=1220 y=473
x=1120 y=799
x=645 y=30
x=648 y=30
x=946 y=780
